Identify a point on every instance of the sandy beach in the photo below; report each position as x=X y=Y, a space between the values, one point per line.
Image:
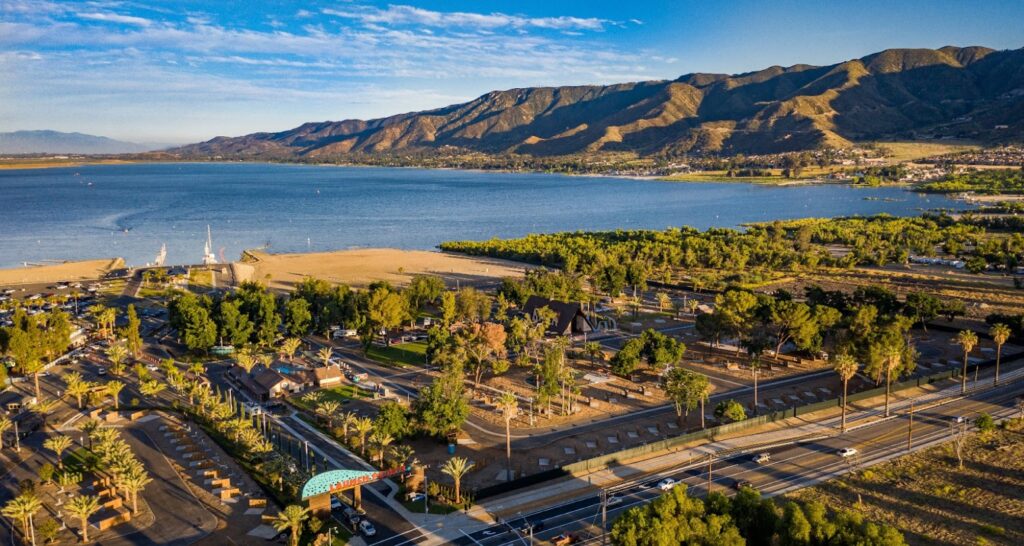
x=67 y=271
x=359 y=268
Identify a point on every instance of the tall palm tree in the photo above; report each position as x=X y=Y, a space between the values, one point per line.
x=291 y=519
x=82 y=507
x=329 y=408
x=892 y=361
x=1000 y=334
x=78 y=389
x=846 y=367
x=457 y=468
x=363 y=427
x=381 y=441
x=508 y=405
x=325 y=355
x=702 y=389
x=22 y=508
x=401 y=454
x=289 y=346
x=132 y=481
x=114 y=390
x=58 y=445
x=5 y=425
x=348 y=420
x=967 y=340
x=89 y=427
x=116 y=353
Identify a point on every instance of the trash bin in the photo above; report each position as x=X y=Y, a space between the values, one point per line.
x=451 y=449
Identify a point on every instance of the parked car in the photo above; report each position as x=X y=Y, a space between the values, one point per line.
x=666 y=484
x=101 y=371
x=847 y=452
x=367 y=528
x=762 y=458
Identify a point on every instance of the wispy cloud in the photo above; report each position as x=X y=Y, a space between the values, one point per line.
x=116 y=18
x=411 y=15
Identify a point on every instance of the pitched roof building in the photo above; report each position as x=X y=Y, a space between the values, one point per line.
x=569 y=316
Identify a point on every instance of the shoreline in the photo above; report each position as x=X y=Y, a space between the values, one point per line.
x=77 y=270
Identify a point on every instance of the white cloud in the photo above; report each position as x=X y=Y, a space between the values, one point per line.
x=411 y=15
x=116 y=18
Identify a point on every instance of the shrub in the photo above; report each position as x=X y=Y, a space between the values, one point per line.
x=985 y=423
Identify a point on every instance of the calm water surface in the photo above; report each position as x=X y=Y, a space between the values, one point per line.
x=130 y=210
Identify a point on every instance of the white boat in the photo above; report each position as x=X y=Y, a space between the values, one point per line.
x=208 y=256
x=161 y=256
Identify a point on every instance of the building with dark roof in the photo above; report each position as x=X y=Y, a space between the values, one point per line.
x=569 y=320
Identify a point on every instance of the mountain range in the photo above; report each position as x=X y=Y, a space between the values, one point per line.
x=969 y=93
x=55 y=142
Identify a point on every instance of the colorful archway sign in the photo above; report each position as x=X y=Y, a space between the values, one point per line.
x=334 y=481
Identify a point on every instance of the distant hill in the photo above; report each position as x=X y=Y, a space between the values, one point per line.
x=55 y=142
x=968 y=93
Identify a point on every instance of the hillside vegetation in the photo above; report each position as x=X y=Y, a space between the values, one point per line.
x=973 y=93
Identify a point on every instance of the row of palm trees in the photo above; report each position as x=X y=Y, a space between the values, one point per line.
x=79 y=389
x=846 y=366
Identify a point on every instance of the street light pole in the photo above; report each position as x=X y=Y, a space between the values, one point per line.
x=910 y=427
x=710 y=460
x=604 y=517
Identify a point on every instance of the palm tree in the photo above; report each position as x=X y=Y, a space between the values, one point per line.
x=117 y=353
x=22 y=508
x=5 y=425
x=846 y=367
x=702 y=389
x=363 y=427
x=114 y=390
x=289 y=346
x=693 y=304
x=82 y=507
x=892 y=361
x=381 y=441
x=58 y=445
x=132 y=481
x=246 y=361
x=968 y=340
x=1000 y=334
x=593 y=349
x=348 y=420
x=401 y=454
x=508 y=405
x=325 y=354
x=663 y=301
x=89 y=427
x=457 y=467
x=78 y=389
x=328 y=408
x=292 y=518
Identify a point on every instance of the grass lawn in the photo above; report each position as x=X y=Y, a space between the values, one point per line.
x=342 y=395
x=200 y=279
x=401 y=354
x=79 y=460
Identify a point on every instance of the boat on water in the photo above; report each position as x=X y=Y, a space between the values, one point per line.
x=161 y=256
x=208 y=257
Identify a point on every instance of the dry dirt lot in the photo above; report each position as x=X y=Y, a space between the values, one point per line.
x=67 y=271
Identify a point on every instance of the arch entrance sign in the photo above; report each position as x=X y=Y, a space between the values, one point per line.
x=318 y=490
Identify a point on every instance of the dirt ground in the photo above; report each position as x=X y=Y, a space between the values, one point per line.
x=67 y=271
x=933 y=502
x=358 y=268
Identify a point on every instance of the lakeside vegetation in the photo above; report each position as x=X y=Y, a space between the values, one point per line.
x=989 y=182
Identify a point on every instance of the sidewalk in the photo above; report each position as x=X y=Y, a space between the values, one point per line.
x=484 y=513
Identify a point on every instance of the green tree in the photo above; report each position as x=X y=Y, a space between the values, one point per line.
x=297 y=317
x=292 y=519
x=58 y=445
x=393 y=420
x=130 y=333
x=442 y=406
x=967 y=340
x=457 y=468
x=1000 y=335
x=731 y=410
x=82 y=507
x=508 y=406
x=235 y=326
x=845 y=367
x=22 y=508
x=386 y=310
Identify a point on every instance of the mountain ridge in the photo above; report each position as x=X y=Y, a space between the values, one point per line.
x=46 y=141
x=963 y=92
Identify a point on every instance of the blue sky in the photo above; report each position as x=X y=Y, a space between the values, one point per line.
x=188 y=70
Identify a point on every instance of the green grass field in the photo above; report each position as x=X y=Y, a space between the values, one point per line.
x=403 y=354
x=342 y=395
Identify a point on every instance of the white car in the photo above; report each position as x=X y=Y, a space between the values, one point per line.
x=153 y=367
x=101 y=371
x=847 y=452
x=613 y=500
x=666 y=484
x=762 y=458
x=366 y=528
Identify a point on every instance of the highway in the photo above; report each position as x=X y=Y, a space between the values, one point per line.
x=791 y=467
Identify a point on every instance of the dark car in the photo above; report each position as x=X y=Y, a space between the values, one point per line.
x=526 y=527
x=740 y=484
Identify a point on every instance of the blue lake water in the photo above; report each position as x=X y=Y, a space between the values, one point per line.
x=130 y=210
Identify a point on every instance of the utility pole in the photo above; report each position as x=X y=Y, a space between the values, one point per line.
x=710 y=460
x=604 y=517
x=17 y=438
x=910 y=427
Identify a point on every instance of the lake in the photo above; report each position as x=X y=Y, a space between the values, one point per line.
x=130 y=210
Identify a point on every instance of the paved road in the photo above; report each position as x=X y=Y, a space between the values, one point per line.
x=791 y=467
